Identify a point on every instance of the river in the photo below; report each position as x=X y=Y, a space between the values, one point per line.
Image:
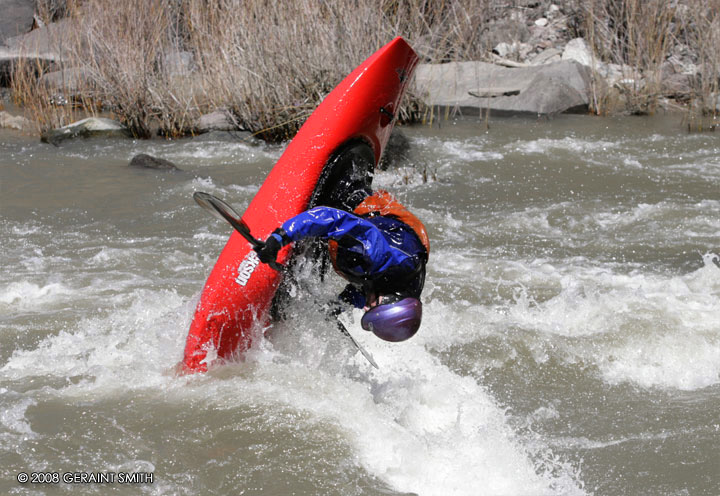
x=570 y=344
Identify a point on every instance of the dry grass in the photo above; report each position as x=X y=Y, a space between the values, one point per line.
x=271 y=67
x=271 y=64
x=268 y=65
x=642 y=35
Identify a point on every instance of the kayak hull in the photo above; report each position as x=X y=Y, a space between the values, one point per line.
x=235 y=303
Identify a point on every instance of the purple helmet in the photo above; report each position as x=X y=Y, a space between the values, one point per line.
x=396 y=318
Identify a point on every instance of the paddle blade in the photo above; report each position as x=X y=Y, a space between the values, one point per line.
x=223 y=211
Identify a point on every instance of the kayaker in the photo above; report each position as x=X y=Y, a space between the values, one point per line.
x=380 y=248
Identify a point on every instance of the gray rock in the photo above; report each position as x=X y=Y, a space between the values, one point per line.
x=16 y=18
x=547 y=56
x=677 y=86
x=69 y=81
x=86 y=128
x=10 y=121
x=614 y=73
x=10 y=56
x=544 y=89
x=505 y=49
x=52 y=39
x=578 y=51
x=145 y=161
x=220 y=120
x=46 y=45
x=506 y=30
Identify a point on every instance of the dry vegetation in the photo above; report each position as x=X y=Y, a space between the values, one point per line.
x=644 y=35
x=270 y=64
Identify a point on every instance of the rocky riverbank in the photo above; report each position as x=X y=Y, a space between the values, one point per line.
x=533 y=57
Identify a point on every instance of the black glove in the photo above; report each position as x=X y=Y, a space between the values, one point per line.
x=268 y=253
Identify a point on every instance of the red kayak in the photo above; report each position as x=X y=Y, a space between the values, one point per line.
x=339 y=145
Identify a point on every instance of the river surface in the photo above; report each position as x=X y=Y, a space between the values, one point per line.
x=570 y=343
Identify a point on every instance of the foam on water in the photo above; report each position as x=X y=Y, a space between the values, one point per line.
x=470 y=150
x=418 y=424
x=569 y=144
x=650 y=330
x=110 y=349
x=414 y=423
x=26 y=295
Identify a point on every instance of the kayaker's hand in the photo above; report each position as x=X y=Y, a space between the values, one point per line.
x=268 y=253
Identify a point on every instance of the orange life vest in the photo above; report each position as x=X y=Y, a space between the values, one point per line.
x=383 y=203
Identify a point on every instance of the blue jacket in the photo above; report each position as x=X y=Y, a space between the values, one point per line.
x=379 y=253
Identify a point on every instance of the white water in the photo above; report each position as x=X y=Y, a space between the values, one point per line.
x=546 y=298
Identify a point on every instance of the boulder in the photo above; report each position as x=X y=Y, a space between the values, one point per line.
x=220 y=120
x=46 y=45
x=145 y=161
x=13 y=121
x=16 y=18
x=69 y=81
x=10 y=56
x=677 y=86
x=613 y=74
x=547 y=56
x=86 y=128
x=55 y=39
x=473 y=86
x=578 y=51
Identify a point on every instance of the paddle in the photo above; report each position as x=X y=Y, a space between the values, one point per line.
x=223 y=211
x=341 y=327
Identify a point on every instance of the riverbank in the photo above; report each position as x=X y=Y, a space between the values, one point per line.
x=191 y=68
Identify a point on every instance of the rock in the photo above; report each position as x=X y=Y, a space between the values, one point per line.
x=504 y=49
x=612 y=73
x=69 y=82
x=220 y=120
x=677 y=86
x=542 y=22
x=46 y=45
x=578 y=51
x=553 y=12
x=545 y=89
x=145 y=161
x=506 y=30
x=680 y=64
x=11 y=56
x=13 y=121
x=548 y=56
x=16 y=18
x=86 y=128
x=55 y=39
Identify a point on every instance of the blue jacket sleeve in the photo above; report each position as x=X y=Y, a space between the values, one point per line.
x=327 y=222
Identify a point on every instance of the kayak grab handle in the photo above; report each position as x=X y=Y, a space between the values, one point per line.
x=387 y=116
